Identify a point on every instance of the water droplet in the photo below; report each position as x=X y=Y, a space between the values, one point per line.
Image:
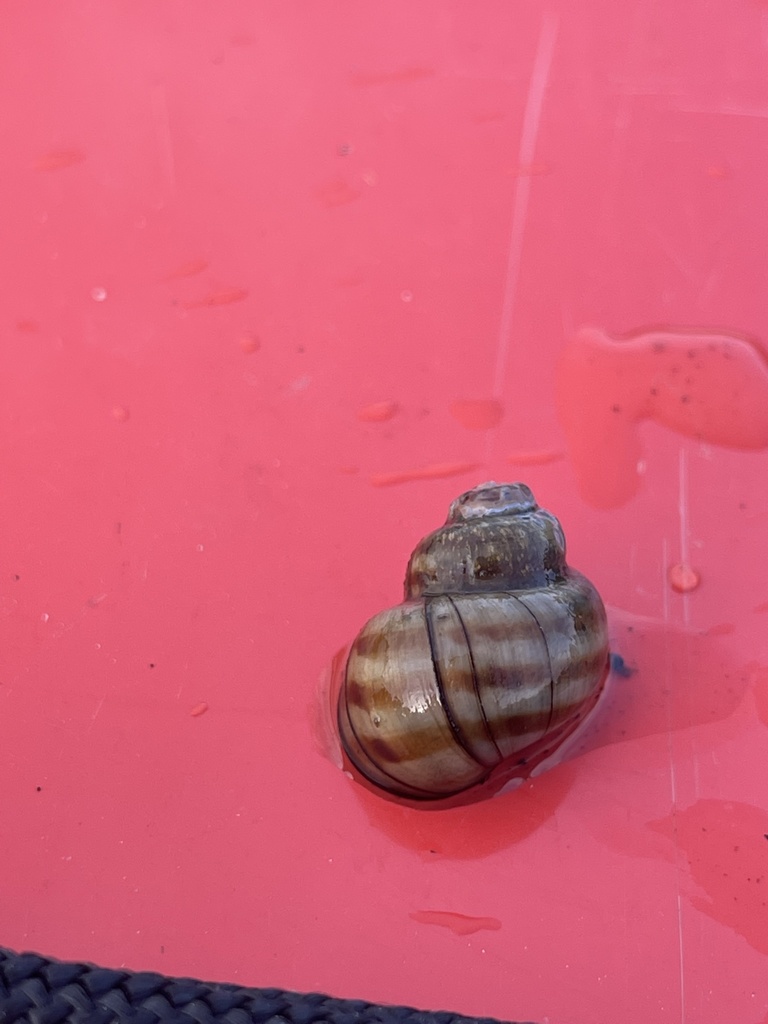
x=98 y=294
x=406 y=296
x=377 y=412
x=188 y=269
x=684 y=578
x=223 y=297
x=120 y=413
x=477 y=413
x=535 y=458
x=57 y=160
x=199 y=547
x=250 y=343
x=436 y=471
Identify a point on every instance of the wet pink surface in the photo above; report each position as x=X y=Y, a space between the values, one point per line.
x=722 y=844
x=708 y=386
x=278 y=282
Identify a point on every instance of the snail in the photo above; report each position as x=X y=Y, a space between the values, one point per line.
x=497 y=653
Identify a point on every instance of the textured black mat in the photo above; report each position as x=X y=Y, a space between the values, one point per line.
x=37 y=990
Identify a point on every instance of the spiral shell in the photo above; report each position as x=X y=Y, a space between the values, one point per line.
x=496 y=654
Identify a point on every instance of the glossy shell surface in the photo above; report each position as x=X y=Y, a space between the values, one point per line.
x=497 y=653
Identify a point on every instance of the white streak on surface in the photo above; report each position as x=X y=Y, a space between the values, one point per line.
x=682 y=506
x=670 y=742
x=162 y=124
x=542 y=66
x=96 y=712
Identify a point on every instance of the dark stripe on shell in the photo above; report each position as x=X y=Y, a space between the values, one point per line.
x=475 y=680
x=549 y=661
x=458 y=735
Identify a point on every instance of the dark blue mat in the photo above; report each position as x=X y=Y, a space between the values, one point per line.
x=38 y=990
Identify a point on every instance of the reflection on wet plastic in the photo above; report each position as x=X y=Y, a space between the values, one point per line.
x=725 y=844
x=703 y=384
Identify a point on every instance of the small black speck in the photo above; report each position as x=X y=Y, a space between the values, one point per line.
x=615 y=408
x=619 y=667
x=344 y=149
x=654 y=391
x=151 y=664
x=300 y=349
x=685 y=398
x=39 y=789
x=765 y=836
x=15 y=577
x=742 y=506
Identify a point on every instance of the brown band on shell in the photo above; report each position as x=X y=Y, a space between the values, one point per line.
x=456 y=676
x=358 y=755
x=496 y=655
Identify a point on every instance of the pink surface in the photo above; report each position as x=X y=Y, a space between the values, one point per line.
x=279 y=281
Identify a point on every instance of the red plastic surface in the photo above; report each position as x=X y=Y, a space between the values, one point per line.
x=279 y=280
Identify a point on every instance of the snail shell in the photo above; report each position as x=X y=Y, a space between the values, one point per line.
x=496 y=654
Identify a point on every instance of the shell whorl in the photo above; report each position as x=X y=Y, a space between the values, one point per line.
x=495 y=538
